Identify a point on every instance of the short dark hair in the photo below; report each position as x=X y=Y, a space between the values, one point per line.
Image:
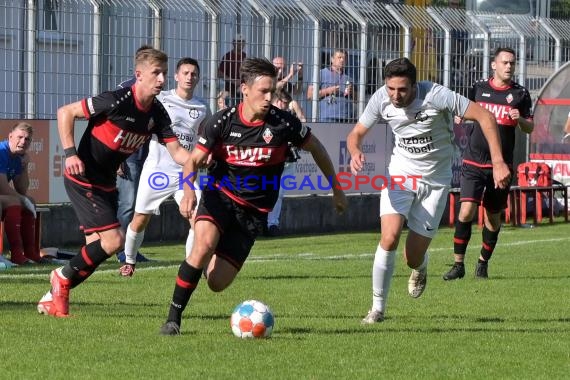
x=187 y=61
x=401 y=67
x=505 y=50
x=282 y=94
x=339 y=50
x=252 y=68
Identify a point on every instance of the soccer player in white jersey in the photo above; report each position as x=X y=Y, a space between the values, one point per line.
x=420 y=117
x=160 y=175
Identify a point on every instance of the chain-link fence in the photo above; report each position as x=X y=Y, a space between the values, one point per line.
x=58 y=51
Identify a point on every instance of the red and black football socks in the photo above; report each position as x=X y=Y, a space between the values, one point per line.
x=461 y=237
x=82 y=265
x=186 y=281
x=490 y=239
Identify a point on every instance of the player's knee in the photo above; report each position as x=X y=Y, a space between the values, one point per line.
x=467 y=211
x=112 y=243
x=389 y=242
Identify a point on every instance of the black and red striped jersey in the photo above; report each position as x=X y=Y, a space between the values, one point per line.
x=249 y=157
x=118 y=126
x=499 y=101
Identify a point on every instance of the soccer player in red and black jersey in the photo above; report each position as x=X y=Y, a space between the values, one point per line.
x=119 y=124
x=249 y=146
x=511 y=104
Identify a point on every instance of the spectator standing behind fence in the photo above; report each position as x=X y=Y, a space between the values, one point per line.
x=336 y=91
x=19 y=210
x=128 y=177
x=419 y=115
x=248 y=141
x=511 y=105
x=285 y=82
x=281 y=100
x=187 y=114
x=229 y=68
x=286 y=77
x=119 y=124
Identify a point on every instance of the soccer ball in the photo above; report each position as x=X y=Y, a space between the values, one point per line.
x=252 y=319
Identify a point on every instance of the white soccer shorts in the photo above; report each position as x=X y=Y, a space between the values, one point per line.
x=156 y=188
x=422 y=207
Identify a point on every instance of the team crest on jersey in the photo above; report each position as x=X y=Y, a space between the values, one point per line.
x=194 y=113
x=421 y=116
x=150 y=124
x=267 y=135
x=509 y=98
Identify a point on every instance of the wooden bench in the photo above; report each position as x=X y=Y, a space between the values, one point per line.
x=38 y=228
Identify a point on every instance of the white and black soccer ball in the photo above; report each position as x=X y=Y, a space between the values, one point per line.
x=252 y=319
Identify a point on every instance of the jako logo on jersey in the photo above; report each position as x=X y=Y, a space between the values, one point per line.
x=235 y=134
x=202 y=140
x=129 y=141
x=249 y=155
x=131 y=119
x=267 y=135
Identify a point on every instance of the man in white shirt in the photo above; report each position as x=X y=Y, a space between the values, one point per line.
x=420 y=116
x=160 y=175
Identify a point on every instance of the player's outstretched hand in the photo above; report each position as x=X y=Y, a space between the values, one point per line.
x=127 y=270
x=357 y=163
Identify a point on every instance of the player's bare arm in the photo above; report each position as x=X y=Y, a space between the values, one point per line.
x=323 y=161
x=197 y=159
x=525 y=125
x=178 y=153
x=488 y=124
x=66 y=116
x=354 y=142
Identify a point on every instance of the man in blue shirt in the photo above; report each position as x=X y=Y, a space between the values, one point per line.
x=19 y=211
x=336 y=91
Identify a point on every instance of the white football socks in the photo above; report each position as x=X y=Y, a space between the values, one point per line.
x=382 y=271
x=133 y=242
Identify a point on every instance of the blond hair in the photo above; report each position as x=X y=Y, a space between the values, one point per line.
x=24 y=127
x=148 y=54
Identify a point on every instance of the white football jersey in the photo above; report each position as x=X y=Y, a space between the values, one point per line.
x=423 y=131
x=186 y=117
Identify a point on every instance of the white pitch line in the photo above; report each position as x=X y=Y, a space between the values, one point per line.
x=276 y=257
